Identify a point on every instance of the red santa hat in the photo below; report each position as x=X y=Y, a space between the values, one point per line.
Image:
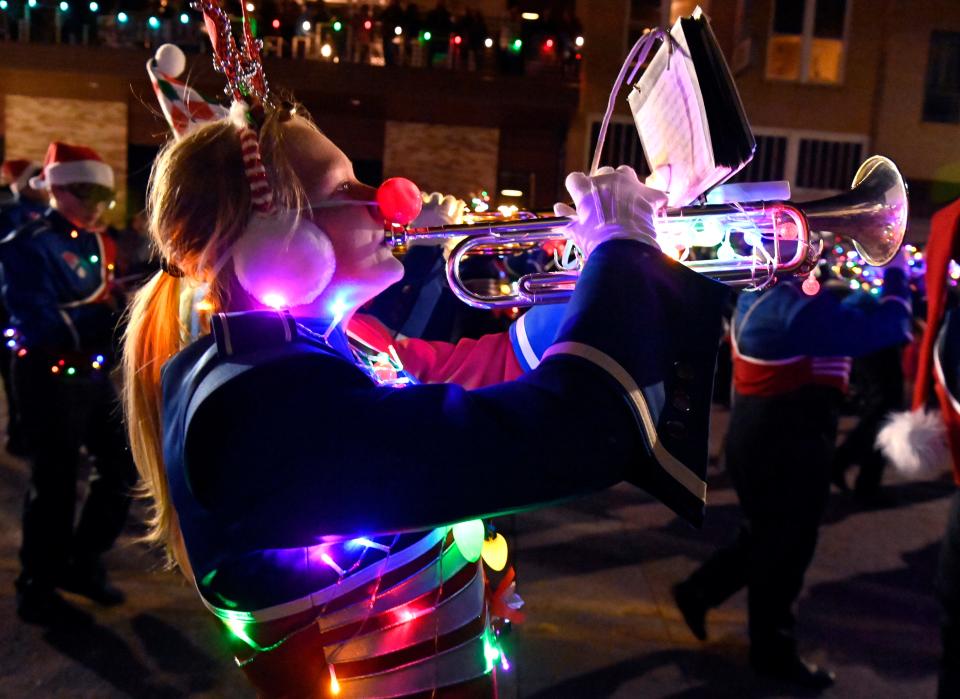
x=17 y=173
x=919 y=442
x=68 y=164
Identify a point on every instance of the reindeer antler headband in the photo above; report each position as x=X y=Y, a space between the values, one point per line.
x=241 y=66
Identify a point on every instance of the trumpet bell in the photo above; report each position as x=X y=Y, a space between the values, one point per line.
x=873 y=214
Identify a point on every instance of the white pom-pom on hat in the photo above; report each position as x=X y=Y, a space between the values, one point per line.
x=283 y=261
x=171 y=60
x=915 y=442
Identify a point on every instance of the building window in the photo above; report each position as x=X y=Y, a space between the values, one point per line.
x=622 y=146
x=769 y=160
x=941 y=99
x=825 y=163
x=808 y=40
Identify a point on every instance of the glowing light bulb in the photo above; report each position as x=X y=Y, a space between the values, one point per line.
x=74 y=233
x=517 y=44
x=71 y=371
x=184 y=18
x=495 y=552
x=275 y=24
x=334 y=684
x=488 y=42
x=306 y=25
x=250 y=7
x=154 y=23
x=337 y=26
x=94 y=7
x=398 y=30
x=427 y=36
x=64 y=6
x=32 y=3
x=9 y=332
x=122 y=17
x=548 y=44
x=326 y=51
x=725 y=252
x=457 y=39
x=3 y=4
x=469 y=539
x=94 y=258
x=367 y=24
x=54 y=369
x=274 y=300
x=504 y=663
x=578 y=41
x=11 y=343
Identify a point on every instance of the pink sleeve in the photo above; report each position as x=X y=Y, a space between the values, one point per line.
x=468 y=363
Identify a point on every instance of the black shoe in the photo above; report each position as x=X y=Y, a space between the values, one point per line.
x=44 y=607
x=794 y=670
x=91 y=581
x=693 y=608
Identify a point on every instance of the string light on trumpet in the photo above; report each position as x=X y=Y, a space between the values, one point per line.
x=334 y=684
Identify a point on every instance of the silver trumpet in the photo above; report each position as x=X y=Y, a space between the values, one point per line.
x=783 y=238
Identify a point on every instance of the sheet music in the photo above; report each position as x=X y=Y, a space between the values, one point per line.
x=669 y=113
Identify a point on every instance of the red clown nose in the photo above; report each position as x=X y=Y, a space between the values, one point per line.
x=399 y=200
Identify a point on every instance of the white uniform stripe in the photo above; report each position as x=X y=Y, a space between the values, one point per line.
x=526 y=349
x=678 y=471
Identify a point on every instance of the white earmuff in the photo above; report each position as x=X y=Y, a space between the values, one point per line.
x=283 y=260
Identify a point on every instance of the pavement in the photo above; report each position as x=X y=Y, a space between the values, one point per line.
x=596 y=576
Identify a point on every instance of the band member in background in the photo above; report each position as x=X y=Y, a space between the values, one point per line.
x=56 y=285
x=324 y=544
x=791 y=356
x=25 y=204
x=925 y=443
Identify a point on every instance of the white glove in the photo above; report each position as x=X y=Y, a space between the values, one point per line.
x=439 y=210
x=611 y=204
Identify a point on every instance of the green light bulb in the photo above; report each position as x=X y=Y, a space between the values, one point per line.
x=469 y=539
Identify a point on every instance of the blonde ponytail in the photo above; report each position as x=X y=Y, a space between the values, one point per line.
x=195 y=218
x=153 y=336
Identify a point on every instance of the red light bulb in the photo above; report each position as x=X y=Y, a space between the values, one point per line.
x=457 y=40
x=399 y=200
x=368 y=25
x=549 y=43
x=275 y=24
